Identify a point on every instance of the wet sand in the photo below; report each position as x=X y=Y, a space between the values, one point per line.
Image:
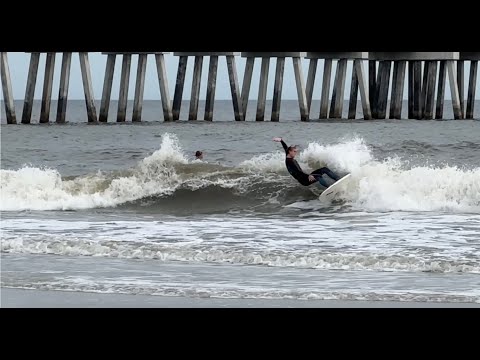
x=20 y=298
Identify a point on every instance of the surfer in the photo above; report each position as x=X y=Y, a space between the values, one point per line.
x=199 y=155
x=296 y=171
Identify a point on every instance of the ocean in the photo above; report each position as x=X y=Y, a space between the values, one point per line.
x=126 y=208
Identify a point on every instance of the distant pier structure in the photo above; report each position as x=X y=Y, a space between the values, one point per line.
x=422 y=74
x=359 y=81
x=421 y=89
x=139 y=86
x=211 y=84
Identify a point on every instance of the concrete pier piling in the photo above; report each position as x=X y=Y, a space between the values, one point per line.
x=247 y=81
x=87 y=87
x=461 y=84
x=124 y=84
x=262 y=89
x=424 y=87
x=163 y=82
x=211 y=84
x=473 y=57
x=196 y=82
x=312 y=72
x=457 y=110
x=441 y=91
x=471 y=90
x=336 y=106
x=179 y=85
x=327 y=74
x=7 y=89
x=302 y=97
x=277 y=89
x=417 y=90
x=362 y=85
x=398 y=84
x=234 y=88
x=372 y=86
x=411 y=89
x=352 y=106
x=383 y=83
x=430 y=90
x=30 y=88
x=139 y=88
x=211 y=87
x=278 y=85
x=47 y=88
x=107 y=87
x=63 y=88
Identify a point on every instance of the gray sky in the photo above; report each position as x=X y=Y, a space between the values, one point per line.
x=19 y=63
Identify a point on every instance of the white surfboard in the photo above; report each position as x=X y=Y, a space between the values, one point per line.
x=330 y=193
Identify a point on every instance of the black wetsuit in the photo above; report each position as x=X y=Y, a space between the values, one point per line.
x=296 y=171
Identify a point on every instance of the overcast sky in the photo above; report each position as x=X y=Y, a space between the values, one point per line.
x=19 y=63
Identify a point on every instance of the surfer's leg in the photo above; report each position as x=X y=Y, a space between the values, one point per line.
x=331 y=174
x=321 y=180
x=327 y=172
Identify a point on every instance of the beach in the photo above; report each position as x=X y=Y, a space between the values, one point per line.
x=19 y=298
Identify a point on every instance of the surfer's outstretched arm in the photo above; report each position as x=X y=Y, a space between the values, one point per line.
x=280 y=140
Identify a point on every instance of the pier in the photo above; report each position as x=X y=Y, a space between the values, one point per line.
x=378 y=80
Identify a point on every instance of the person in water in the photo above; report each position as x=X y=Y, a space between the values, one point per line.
x=296 y=171
x=198 y=155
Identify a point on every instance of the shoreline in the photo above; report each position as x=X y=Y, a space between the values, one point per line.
x=26 y=298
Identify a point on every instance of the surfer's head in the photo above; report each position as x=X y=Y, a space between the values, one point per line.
x=199 y=155
x=292 y=151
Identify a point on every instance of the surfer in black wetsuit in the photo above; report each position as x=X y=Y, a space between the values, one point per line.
x=296 y=171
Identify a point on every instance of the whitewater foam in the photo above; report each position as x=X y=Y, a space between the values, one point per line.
x=388 y=184
x=383 y=244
